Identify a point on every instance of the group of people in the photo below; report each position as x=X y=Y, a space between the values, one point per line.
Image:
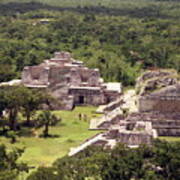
x=83 y=117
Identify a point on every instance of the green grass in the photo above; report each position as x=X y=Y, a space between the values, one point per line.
x=71 y=132
x=170 y=139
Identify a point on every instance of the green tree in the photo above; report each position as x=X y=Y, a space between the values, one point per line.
x=6 y=73
x=9 y=168
x=11 y=97
x=15 y=99
x=3 y=102
x=32 y=100
x=44 y=173
x=167 y=157
x=46 y=119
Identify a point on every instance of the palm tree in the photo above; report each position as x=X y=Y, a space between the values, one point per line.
x=46 y=119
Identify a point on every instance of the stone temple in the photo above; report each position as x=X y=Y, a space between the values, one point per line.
x=70 y=82
x=140 y=115
x=157 y=100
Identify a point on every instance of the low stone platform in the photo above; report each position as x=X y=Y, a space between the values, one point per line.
x=140 y=134
x=114 y=111
x=166 y=124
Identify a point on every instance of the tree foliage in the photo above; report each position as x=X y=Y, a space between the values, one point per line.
x=161 y=161
x=16 y=99
x=120 y=40
x=46 y=119
x=9 y=168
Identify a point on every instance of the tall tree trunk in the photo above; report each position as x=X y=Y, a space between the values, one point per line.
x=28 y=117
x=13 y=119
x=46 y=130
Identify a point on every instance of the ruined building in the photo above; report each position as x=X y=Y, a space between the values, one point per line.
x=130 y=133
x=70 y=82
x=159 y=91
x=159 y=101
x=137 y=118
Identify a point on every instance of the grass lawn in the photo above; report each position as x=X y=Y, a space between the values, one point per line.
x=170 y=139
x=71 y=132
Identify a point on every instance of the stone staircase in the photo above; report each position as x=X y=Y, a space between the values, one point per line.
x=84 y=145
x=103 y=123
x=109 y=107
x=114 y=111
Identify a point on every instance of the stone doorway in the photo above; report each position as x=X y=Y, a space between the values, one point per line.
x=81 y=99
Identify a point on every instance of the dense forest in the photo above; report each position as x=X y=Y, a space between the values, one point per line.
x=120 y=40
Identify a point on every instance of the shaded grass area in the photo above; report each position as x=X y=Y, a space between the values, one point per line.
x=69 y=133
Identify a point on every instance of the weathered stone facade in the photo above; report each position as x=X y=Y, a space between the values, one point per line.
x=157 y=114
x=159 y=91
x=162 y=105
x=69 y=81
x=155 y=80
x=159 y=101
x=166 y=124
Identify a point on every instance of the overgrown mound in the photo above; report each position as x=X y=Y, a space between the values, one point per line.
x=153 y=80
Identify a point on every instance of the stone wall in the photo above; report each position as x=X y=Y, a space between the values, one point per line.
x=35 y=75
x=134 y=139
x=159 y=104
x=75 y=77
x=167 y=127
x=166 y=124
x=168 y=131
x=111 y=95
x=87 y=96
x=58 y=75
x=130 y=138
x=94 y=77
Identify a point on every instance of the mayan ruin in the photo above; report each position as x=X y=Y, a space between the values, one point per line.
x=89 y=89
x=140 y=115
x=70 y=82
x=134 y=117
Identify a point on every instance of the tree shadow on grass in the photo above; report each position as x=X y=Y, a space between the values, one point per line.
x=70 y=141
x=25 y=132
x=50 y=136
x=62 y=124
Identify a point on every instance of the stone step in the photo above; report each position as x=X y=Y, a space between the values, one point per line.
x=74 y=151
